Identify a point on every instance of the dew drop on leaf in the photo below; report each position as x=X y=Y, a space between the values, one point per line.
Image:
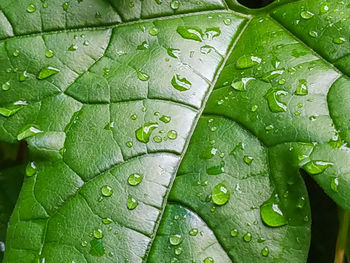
x=247 y=237
x=172 y=134
x=31 y=169
x=98 y=234
x=216 y=169
x=175 y=239
x=273 y=98
x=175 y=4
x=10 y=110
x=302 y=88
x=234 y=232
x=306 y=14
x=220 y=194
x=135 y=179
x=181 y=84
x=28 y=131
x=142 y=76
x=208 y=260
x=247 y=61
x=193 y=232
x=47 y=72
x=173 y=52
x=165 y=119
x=106 y=191
x=6 y=86
x=132 y=203
x=192 y=33
x=271 y=212
x=241 y=85
x=334 y=184
x=31 y=8
x=316 y=167
x=143 y=133
x=265 y=251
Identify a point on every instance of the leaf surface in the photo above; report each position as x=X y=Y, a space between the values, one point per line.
x=108 y=98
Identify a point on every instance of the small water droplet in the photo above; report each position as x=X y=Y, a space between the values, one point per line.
x=132 y=203
x=47 y=72
x=247 y=61
x=173 y=52
x=273 y=97
x=98 y=234
x=234 y=232
x=175 y=4
x=248 y=159
x=23 y=76
x=107 y=221
x=227 y=21
x=31 y=169
x=6 y=86
x=172 y=135
x=247 y=237
x=241 y=85
x=220 y=194
x=339 y=40
x=181 y=84
x=165 y=119
x=313 y=34
x=31 y=8
x=49 y=53
x=316 y=167
x=129 y=144
x=16 y=53
x=106 y=191
x=175 y=239
x=142 y=76
x=267 y=77
x=306 y=14
x=135 y=179
x=334 y=184
x=65 y=6
x=265 y=251
x=217 y=169
x=193 y=232
x=73 y=47
x=143 y=46
x=324 y=8
x=153 y=31
x=143 y=133
x=192 y=33
x=208 y=260
x=178 y=251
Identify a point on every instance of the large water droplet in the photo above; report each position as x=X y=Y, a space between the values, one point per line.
x=302 y=88
x=132 y=203
x=339 y=40
x=220 y=194
x=247 y=61
x=175 y=239
x=10 y=110
x=31 y=169
x=106 y=191
x=316 y=167
x=193 y=33
x=143 y=133
x=271 y=212
x=241 y=85
x=181 y=84
x=135 y=179
x=273 y=98
x=47 y=72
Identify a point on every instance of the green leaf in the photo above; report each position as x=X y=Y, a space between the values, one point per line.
x=172 y=131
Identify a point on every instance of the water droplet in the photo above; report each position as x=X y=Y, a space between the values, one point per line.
x=31 y=8
x=172 y=135
x=132 y=203
x=181 y=84
x=271 y=212
x=248 y=159
x=106 y=191
x=142 y=76
x=247 y=61
x=265 y=251
x=178 y=250
x=175 y=239
x=193 y=33
x=153 y=31
x=65 y=6
x=208 y=153
x=247 y=237
x=143 y=46
x=227 y=21
x=47 y=72
x=273 y=97
x=135 y=179
x=254 y=108
x=109 y=126
x=241 y=85
x=301 y=202
x=84 y=243
x=98 y=234
x=173 y=52
x=302 y=88
x=175 y=4
x=16 y=53
x=306 y=14
x=157 y=139
x=234 y=232
x=334 y=184
x=339 y=40
x=107 y=221
x=217 y=169
x=6 y=86
x=143 y=133
x=267 y=77
x=96 y=248
x=208 y=260
x=193 y=232
x=49 y=53
x=73 y=47
x=324 y=8
x=23 y=76
x=129 y=144
x=10 y=110
x=28 y=131
x=220 y=194
x=165 y=119
x=316 y=167
x=31 y=169
x=313 y=34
